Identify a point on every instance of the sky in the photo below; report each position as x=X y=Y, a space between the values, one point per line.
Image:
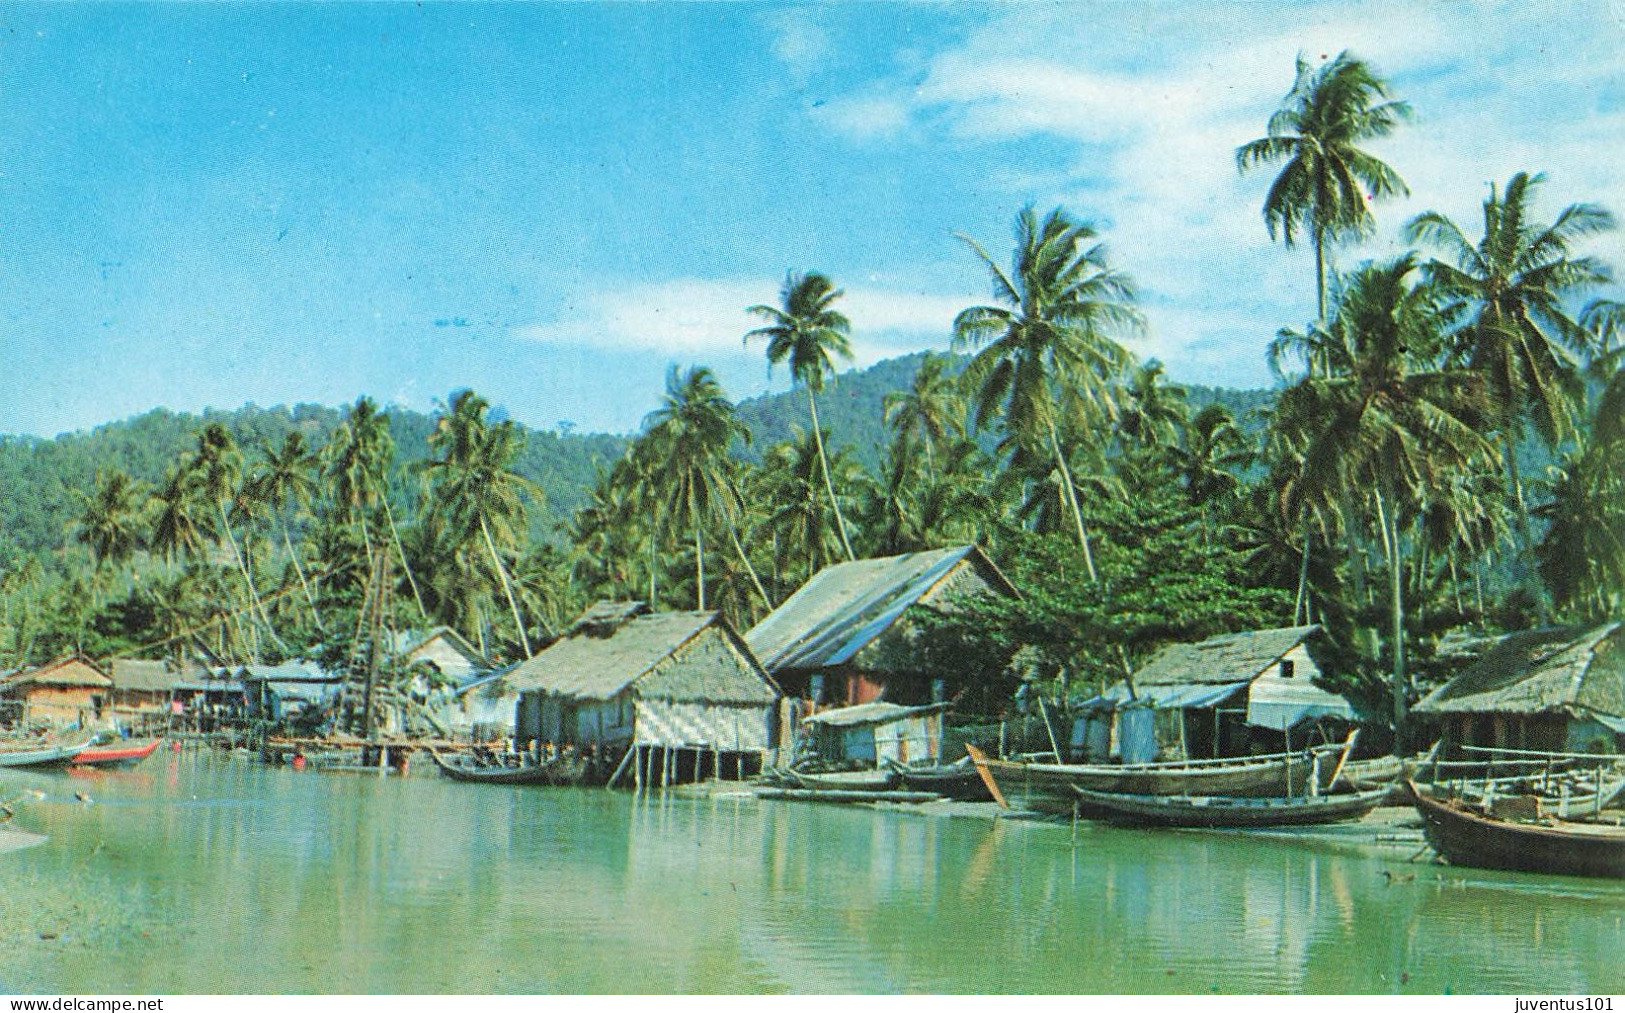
x=205 y=205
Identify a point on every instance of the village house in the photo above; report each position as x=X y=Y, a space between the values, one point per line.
x=670 y=695
x=1559 y=689
x=442 y=649
x=844 y=637
x=874 y=734
x=70 y=691
x=483 y=708
x=1228 y=695
x=142 y=687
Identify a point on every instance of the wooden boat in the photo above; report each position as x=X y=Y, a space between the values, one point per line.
x=1048 y=787
x=559 y=770
x=1467 y=838
x=1227 y=811
x=1569 y=795
x=1377 y=770
x=951 y=780
x=839 y=795
x=41 y=756
x=846 y=780
x=113 y=756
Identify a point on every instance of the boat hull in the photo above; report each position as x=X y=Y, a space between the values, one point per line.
x=47 y=756
x=1225 y=811
x=105 y=757
x=1049 y=787
x=558 y=771
x=1466 y=838
x=848 y=780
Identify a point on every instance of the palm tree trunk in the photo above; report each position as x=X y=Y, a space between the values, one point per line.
x=1388 y=519
x=410 y=580
x=733 y=536
x=829 y=486
x=502 y=572
x=1302 y=604
x=287 y=543
x=699 y=564
x=1320 y=280
x=248 y=579
x=1072 y=501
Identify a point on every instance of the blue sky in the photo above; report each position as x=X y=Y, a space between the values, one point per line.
x=206 y=205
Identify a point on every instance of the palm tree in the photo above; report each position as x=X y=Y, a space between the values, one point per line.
x=286 y=478
x=111 y=521
x=790 y=480
x=1326 y=186
x=806 y=332
x=176 y=528
x=688 y=439
x=1516 y=286
x=357 y=461
x=475 y=488
x=1152 y=409
x=931 y=410
x=1212 y=450
x=1389 y=420
x=218 y=464
x=1049 y=352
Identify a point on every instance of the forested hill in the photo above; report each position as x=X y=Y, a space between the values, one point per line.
x=41 y=479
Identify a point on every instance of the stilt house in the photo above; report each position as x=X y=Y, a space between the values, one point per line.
x=1560 y=689
x=871 y=734
x=142 y=687
x=844 y=637
x=680 y=691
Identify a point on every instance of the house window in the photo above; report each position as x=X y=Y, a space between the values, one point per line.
x=1286 y=668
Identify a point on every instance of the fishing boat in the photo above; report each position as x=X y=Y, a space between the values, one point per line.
x=846 y=780
x=1568 y=795
x=1468 y=838
x=560 y=769
x=1228 y=811
x=959 y=780
x=1048 y=787
x=113 y=756
x=41 y=756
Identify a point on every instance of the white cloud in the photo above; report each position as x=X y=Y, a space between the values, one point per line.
x=1157 y=108
x=699 y=317
x=799 y=42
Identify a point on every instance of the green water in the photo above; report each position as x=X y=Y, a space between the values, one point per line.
x=202 y=873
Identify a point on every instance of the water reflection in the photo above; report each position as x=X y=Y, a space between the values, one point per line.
x=200 y=873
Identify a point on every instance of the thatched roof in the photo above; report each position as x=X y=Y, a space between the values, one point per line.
x=1228 y=658
x=141 y=675
x=70 y=672
x=844 y=607
x=682 y=655
x=1537 y=671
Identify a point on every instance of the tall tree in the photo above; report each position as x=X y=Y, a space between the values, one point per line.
x=218 y=465
x=931 y=410
x=805 y=331
x=285 y=479
x=1050 y=348
x=110 y=520
x=1327 y=182
x=689 y=437
x=1516 y=287
x=476 y=489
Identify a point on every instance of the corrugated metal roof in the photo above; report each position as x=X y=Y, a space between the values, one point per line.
x=879 y=712
x=1230 y=657
x=597 y=664
x=846 y=606
x=1556 y=668
x=288 y=671
x=1173 y=696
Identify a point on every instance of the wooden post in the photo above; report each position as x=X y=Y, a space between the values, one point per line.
x=620 y=769
x=665 y=767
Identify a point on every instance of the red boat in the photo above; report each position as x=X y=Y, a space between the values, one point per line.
x=113 y=756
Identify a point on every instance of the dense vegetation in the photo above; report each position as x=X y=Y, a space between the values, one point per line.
x=1444 y=454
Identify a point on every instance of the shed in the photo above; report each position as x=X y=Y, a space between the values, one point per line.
x=872 y=733
x=844 y=636
x=443 y=649
x=1219 y=697
x=280 y=692
x=68 y=691
x=142 y=686
x=1559 y=688
x=625 y=680
x=483 y=708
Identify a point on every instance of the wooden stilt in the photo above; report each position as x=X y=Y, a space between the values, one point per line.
x=637 y=768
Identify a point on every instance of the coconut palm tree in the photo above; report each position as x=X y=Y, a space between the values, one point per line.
x=475 y=489
x=1210 y=454
x=111 y=518
x=356 y=463
x=1389 y=420
x=688 y=439
x=1516 y=287
x=1327 y=182
x=1151 y=409
x=791 y=480
x=931 y=409
x=1048 y=354
x=805 y=331
x=284 y=479
x=177 y=530
x=217 y=464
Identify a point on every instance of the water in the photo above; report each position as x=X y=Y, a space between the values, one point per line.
x=202 y=873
